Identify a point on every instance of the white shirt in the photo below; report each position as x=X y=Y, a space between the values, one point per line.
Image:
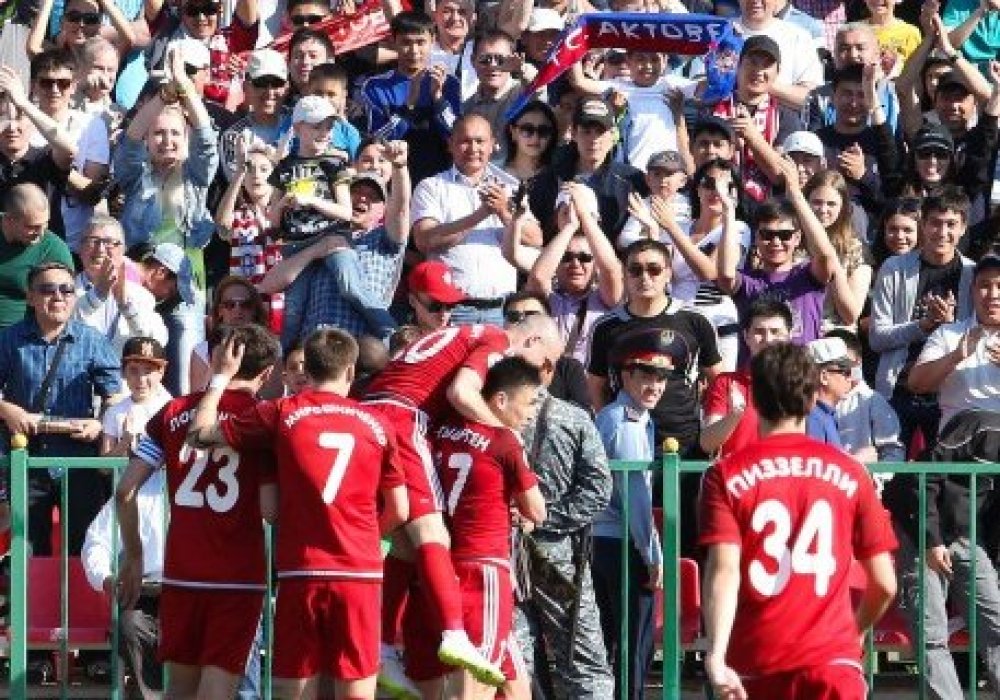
x=134 y=415
x=92 y=147
x=478 y=268
x=97 y=550
x=137 y=317
x=975 y=381
x=468 y=79
x=799 y=60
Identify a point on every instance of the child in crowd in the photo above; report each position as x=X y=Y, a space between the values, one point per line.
x=329 y=81
x=143 y=363
x=293 y=373
x=896 y=39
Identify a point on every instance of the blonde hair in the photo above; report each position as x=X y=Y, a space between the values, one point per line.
x=841 y=232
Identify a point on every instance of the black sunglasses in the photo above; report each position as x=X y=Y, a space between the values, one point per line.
x=202 y=10
x=769 y=234
x=303 y=20
x=78 y=17
x=267 y=81
x=542 y=131
x=515 y=316
x=51 y=288
x=651 y=269
x=491 y=59
x=584 y=258
x=939 y=153
x=49 y=83
x=436 y=307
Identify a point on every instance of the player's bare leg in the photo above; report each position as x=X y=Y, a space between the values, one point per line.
x=517 y=688
x=432 y=689
x=217 y=684
x=295 y=688
x=462 y=685
x=363 y=689
x=430 y=537
x=182 y=682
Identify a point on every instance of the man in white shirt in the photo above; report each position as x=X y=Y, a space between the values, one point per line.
x=800 y=69
x=109 y=302
x=459 y=216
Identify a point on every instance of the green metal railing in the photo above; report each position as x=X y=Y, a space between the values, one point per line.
x=671 y=468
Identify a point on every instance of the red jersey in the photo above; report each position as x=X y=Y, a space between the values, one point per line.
x=717 y=401
x=801 y=512
x=422 y=372
x=216 y=533
x=333 y=456
x=482 y=468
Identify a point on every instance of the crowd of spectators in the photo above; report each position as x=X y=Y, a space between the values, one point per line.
x=168 y=167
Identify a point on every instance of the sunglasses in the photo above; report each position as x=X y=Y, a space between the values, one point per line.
x=49 y=83
x=96 y=242
x=651 y=269
x=202 y=10
x=582 y=258
x=769 y=234
x=268 y=81
x=837 y=369
x=710 y=183
x=303 y=20
x=436 y=307
x=492 y=59
x=542 y=131
x=938 y=153
x=233 y=304
x=78 y=17
x=515 y=316
x=51 y=289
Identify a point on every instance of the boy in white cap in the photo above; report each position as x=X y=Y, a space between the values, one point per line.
x=317 y=203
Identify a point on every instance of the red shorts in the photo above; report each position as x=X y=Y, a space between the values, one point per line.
x=423 y=489
x=487 y=613
x=324 y=626
x=208 y=626
x=836 y=681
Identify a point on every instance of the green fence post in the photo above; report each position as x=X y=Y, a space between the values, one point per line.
x=671 y=576
x=18 y=575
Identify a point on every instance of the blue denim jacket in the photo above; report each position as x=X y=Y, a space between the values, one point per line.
x=141 y=215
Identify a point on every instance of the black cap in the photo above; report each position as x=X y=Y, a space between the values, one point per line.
x=990 y=261
x=651 y=347
x=761 y=44
x=932 y=135
x=713 y=123
x=144 y=349
x=666 y=160
x=952 y=80
x=593 y=111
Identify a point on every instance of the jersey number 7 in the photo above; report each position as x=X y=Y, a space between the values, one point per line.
x=343 y=445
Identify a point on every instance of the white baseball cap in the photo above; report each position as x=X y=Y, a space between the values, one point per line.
x=267 y=62
x=195 y=52
x=545 y=18
x=803 y=142
x=829 y=351
x=312 y=109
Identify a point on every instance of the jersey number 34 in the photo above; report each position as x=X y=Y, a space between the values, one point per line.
x=811 y=554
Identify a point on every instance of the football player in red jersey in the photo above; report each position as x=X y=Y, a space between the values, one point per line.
x=214 y=565
x=483 y=469
x=441 y=372
x=335 y=459
x=783 y=520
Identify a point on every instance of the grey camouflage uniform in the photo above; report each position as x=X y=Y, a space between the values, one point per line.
x=573 y=476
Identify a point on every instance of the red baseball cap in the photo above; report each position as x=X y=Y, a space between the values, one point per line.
x=433 y=278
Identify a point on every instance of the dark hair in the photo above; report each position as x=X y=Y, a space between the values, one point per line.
x=488 y=36
x=53 y=59
x=784 y=381
x=775 y=210
x=305 y=34
x=525 y=295
x=533 y=107
x=40 y=268
x=411 y=22
x=372 y=356
x=645 y=244
x=851 y=73
x=401 y=337
x=930 y=64
x=260 y=348
x=329 y=71
x=851 y=340
x=292 y=4
x=702 y=172
x=329 y=352
x=903 y=206
x=948 y=198
x=259 y=310
x=297 y=345
x=510 y=374
x=768 y=308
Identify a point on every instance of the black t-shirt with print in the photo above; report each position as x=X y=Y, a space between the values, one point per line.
x=938 y=280
x=315 y=176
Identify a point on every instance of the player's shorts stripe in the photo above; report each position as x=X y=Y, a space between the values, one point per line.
x=426 y=460
x=491 y=610
x=204 y=585
x=149 y=452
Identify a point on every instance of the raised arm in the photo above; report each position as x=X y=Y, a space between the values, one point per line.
x=704 y=266
x=63 y=147
x=397 y=211
x=227 y=204
x=610 y=277
x=204 y=431
x=466 y=397
x=523 y=257
x=908 y=83
x=247 y=11
x=544 y=269
x=824 y=261
x=728 y=258
x=121 y=33
x=39 y=27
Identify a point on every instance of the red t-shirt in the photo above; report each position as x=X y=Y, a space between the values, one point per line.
x=717 y=402
x=801 y=512
x=422 y=372
x=482 y=468
x=216 y=533
x=333 y=456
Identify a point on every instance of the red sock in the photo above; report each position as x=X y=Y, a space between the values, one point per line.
x=396 y=580
x=440 y=584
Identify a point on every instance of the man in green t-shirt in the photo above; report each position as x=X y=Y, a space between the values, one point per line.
x=25 y=242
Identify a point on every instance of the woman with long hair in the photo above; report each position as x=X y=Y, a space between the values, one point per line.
x=830 y=200
x=898 y=231
x=81 y=20
x=236 y=302
x=530 y=139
